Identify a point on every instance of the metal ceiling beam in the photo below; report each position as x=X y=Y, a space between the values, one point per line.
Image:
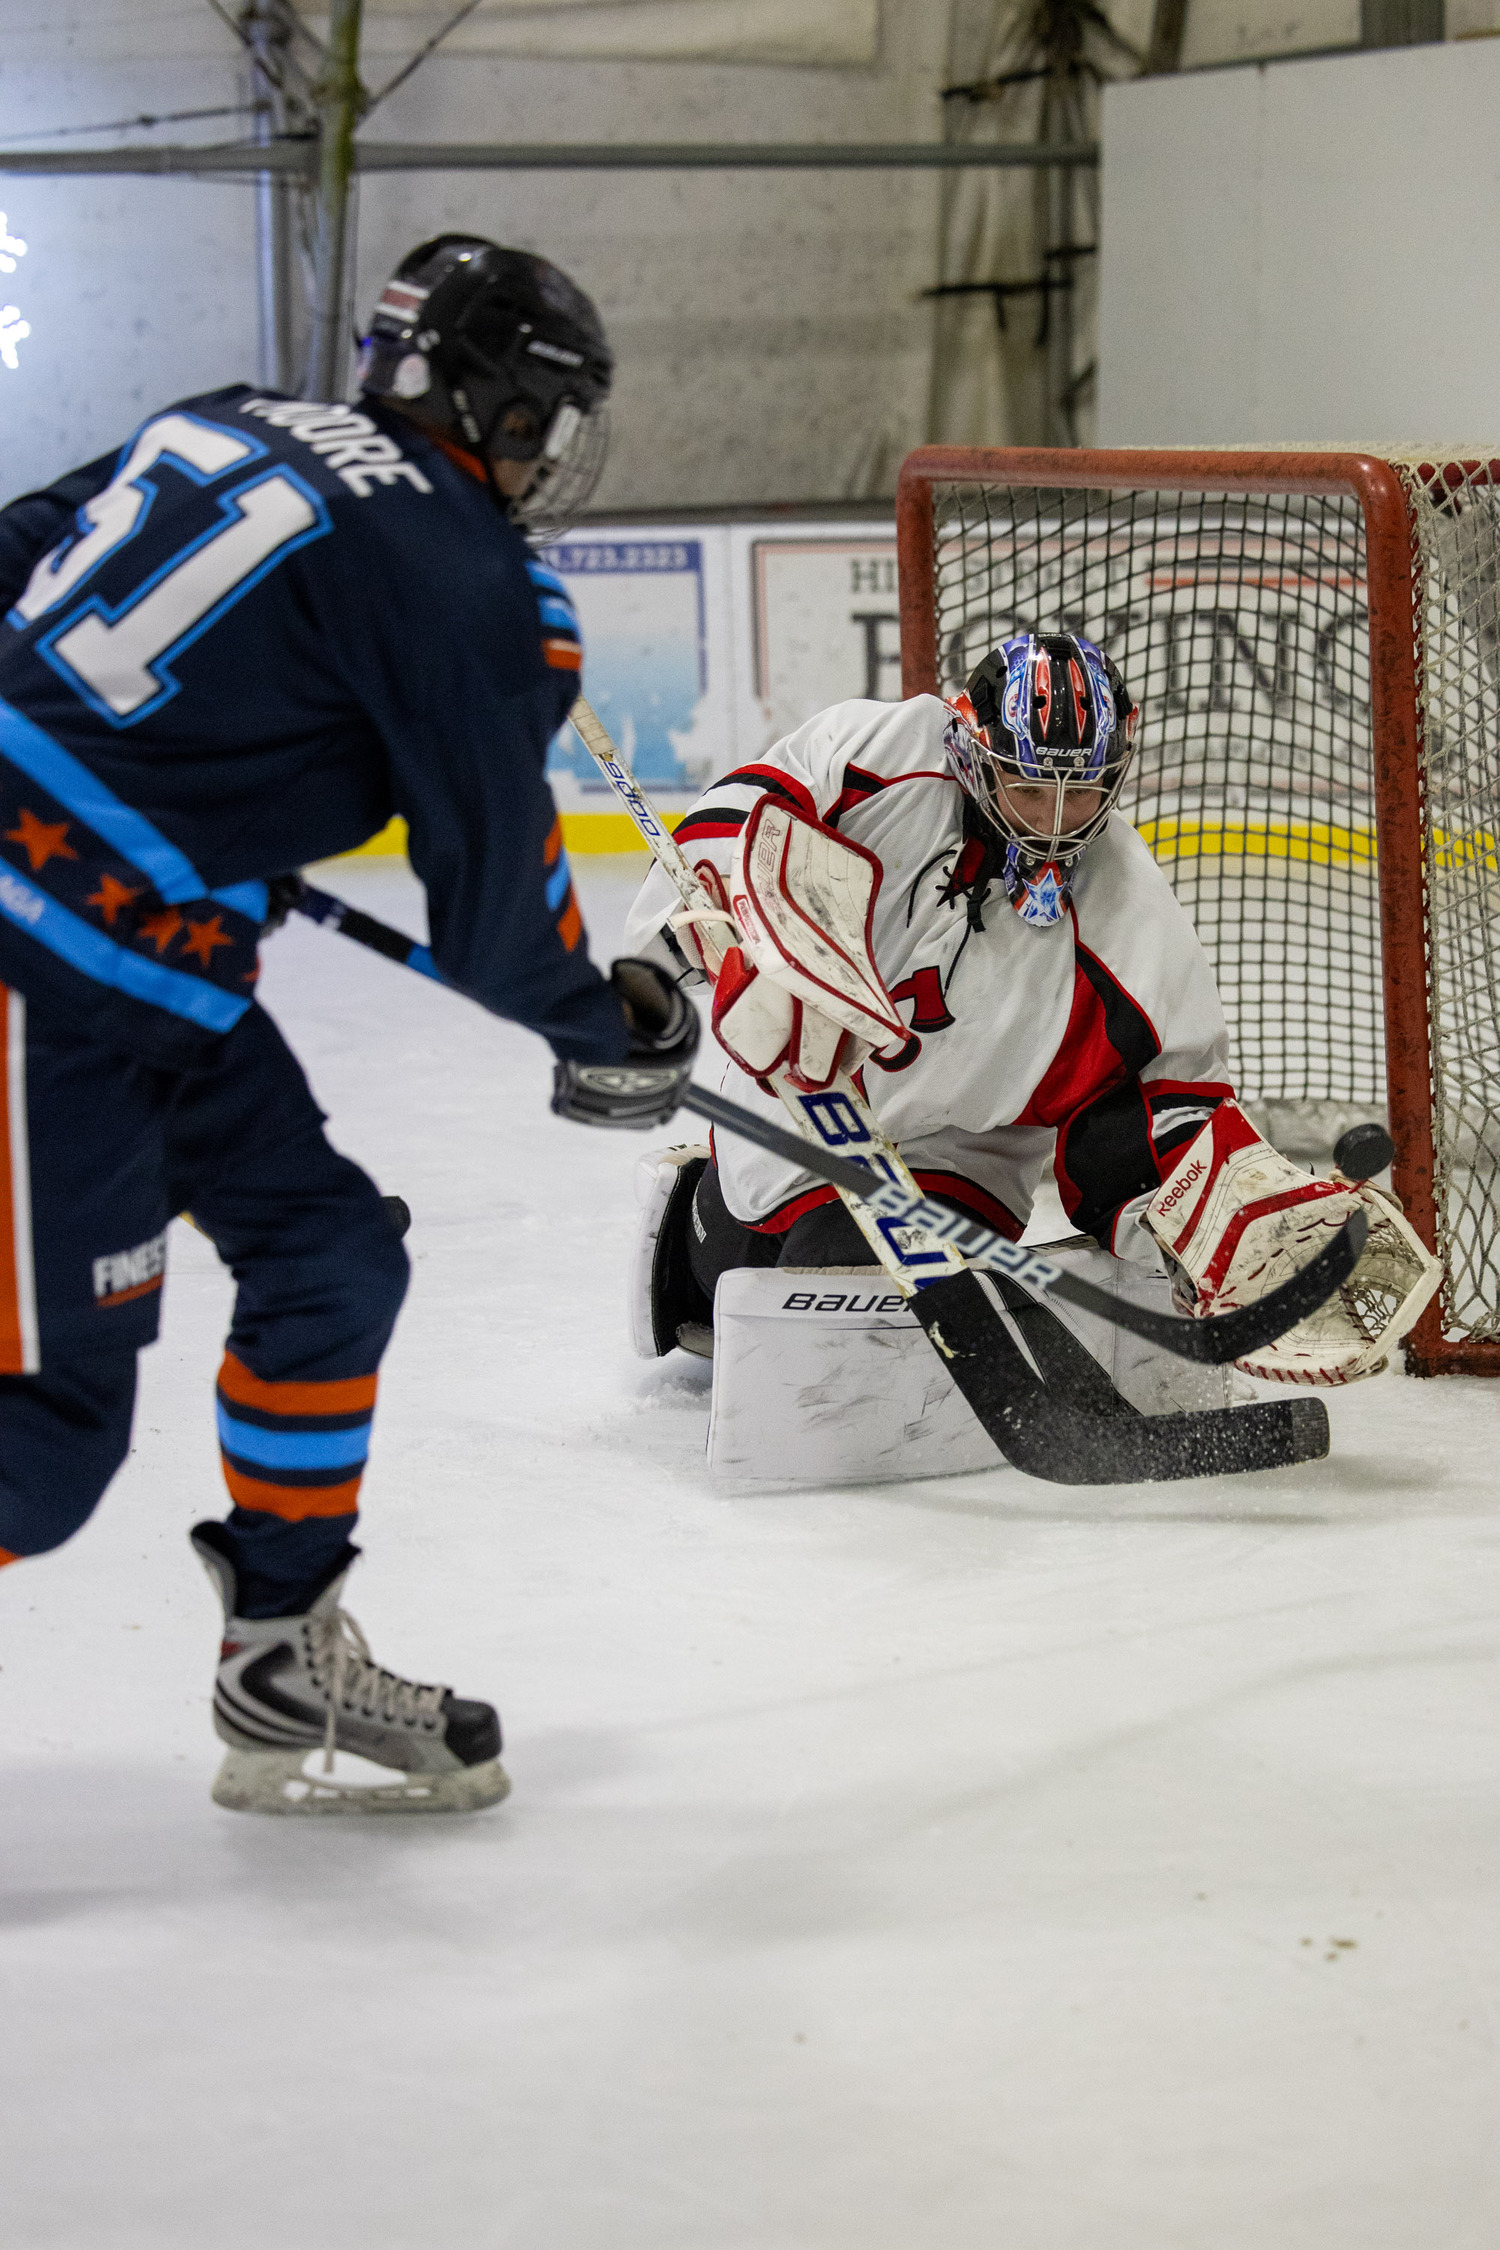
x=300 y=156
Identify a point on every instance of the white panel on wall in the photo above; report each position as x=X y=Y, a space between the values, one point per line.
x=1303 y=252
x=136 y=292
x=704 y=643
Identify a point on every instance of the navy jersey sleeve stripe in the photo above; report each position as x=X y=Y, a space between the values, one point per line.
x=173 y=875
x=99 y=958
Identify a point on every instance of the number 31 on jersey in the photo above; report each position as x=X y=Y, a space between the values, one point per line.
x=118 y=656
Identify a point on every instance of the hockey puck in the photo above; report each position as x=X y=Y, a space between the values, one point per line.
x=398 y=1210
x=1363 y=1151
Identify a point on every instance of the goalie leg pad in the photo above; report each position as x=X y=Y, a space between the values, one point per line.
x=1152 y=1380
x=823 y=1377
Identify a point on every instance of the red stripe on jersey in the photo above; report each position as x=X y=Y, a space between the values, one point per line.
x=563 y=656
x=946 y=1187
x=708 y=824
x=780 y=785
x=1108 y=1036
x=570 y=923
x=787 y=1214
x=860 y=786
x=952 y=1187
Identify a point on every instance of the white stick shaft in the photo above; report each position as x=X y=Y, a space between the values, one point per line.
x=595 y=738
x=836 y=1117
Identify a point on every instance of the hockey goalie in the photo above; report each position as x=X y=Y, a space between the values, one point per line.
x=1043 y=1003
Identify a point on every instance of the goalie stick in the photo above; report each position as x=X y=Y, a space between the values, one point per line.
x=878 y=1182
x=1036 y=1428
x=1227 y=1336
x=1215 y=1342
x=1067 y=1437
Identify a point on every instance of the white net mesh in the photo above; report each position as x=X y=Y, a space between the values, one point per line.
x=1241 y=627
x=1456 y=514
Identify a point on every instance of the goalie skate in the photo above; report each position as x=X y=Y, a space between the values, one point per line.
x=291 y=1687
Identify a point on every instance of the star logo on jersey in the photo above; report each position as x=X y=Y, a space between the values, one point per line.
x=162 y=928
x=204 y=938
x=110 y=897
x=40 y=840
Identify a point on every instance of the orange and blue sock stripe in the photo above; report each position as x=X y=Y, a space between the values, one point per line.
x=293 y=1450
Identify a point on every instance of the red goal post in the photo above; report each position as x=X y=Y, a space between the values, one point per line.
x=1304 y=630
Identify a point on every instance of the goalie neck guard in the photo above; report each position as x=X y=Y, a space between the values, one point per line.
x=498 y=353
x=1040 y=740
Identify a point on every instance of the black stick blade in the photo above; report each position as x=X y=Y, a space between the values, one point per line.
x=1038 y=1431
x=1226 y=1336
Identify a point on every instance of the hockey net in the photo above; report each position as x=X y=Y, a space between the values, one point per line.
x=1314 y=640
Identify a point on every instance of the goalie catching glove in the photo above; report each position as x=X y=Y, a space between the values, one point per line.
x=798 y=988
x=647 y=1088
x=1235 y=1220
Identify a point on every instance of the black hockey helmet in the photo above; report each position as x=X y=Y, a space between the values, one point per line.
x=1047 y=715
x=498 y=352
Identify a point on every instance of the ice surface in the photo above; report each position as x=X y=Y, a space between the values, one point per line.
x=977 y=1865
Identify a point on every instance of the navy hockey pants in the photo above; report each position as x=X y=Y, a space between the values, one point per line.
x=98 y=1153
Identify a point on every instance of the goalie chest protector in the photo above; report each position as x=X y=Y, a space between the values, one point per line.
x=1017 y=1031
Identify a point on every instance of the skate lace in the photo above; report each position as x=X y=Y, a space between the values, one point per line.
x=357 y=1683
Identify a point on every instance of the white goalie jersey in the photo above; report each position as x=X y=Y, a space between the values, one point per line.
x=1099 y=1042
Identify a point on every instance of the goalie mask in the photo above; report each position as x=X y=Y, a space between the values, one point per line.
x=497 y=352
x=1040 y=740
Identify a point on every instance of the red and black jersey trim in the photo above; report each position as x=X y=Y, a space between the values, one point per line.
x=1107 y=1155
x=710 y=819
x=771 y=778
x=951 y=1188
x=1109 y=1037
x=858 y=788
x=1091 y=1092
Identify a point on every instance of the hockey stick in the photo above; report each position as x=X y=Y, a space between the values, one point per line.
x=879 y=1183
x=1034 y=1427
x=1214 y=1342
x=1071 y=1435
x=1225 y=1337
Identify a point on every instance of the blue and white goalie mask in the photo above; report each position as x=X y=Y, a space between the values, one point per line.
x=1040 y=740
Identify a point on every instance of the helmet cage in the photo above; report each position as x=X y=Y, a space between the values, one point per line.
x=498 y=352
x=1043 y=711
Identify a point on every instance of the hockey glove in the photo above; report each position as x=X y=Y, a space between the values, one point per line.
x=284 y=893
x=1235 y=1220
x=647 y=1087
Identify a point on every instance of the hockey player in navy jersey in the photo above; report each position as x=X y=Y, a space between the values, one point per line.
x=242 y=643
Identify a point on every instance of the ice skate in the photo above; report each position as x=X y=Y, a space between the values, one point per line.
x=288 y=1687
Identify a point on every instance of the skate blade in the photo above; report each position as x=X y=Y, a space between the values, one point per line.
x=275 y=1781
